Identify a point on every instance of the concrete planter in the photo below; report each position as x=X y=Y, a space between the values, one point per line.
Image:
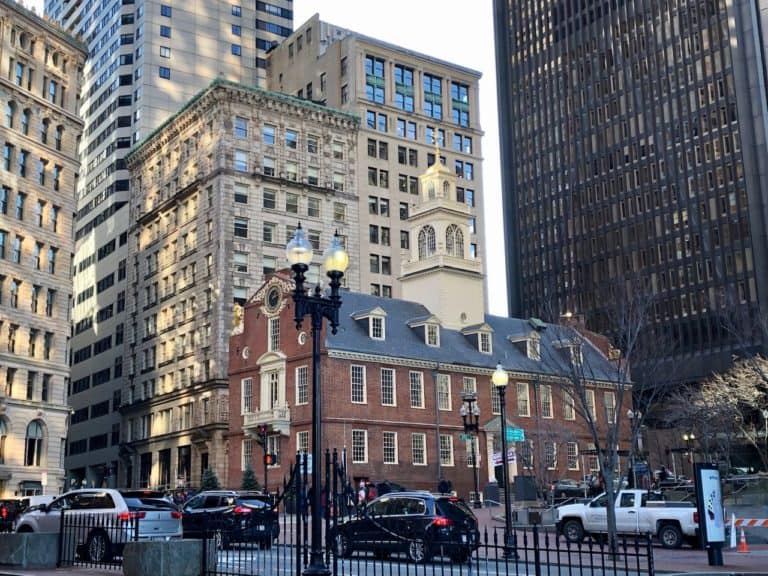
x=29 y=550
x=167 y=558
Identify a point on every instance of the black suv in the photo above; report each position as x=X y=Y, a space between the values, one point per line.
x=230 y=516
x=420 y=524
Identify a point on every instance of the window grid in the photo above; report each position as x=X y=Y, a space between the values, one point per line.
x=389 y=447
x=419 y=449
x=357 y=380
x=416 y=380
x=387 y=387
x=523 y=402
x=573 y=455
x=359 y=446
x=302 y=394
x=545 y=393
x=444 y=391
x=446 y=450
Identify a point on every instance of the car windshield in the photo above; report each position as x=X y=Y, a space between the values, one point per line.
x=149 y=502
x=454 y=509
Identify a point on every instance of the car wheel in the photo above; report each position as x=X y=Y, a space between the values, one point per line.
x=670 y=536
x=418 y=551
x=25 y=529
x=98 y=547
x=343 y=549
x=573 y=531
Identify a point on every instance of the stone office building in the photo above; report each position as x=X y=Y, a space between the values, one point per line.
x=41 y=71
x=219 y=189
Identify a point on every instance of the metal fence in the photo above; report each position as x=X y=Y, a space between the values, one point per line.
x=96 y=539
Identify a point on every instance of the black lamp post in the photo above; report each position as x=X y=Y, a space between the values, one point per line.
x=688 y=438
x=500 y=378
x=470 y=415
x=318 y=307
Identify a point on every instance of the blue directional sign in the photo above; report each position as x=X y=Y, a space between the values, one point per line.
x=515 y=435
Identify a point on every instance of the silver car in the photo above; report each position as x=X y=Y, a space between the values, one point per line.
x=98 y=522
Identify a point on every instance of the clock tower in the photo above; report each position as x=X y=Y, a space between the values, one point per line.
x=438 y=271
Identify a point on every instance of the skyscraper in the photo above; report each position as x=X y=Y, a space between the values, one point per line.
x=408 y=102
x=633 y=143
x=146 y=61
x=40 y=78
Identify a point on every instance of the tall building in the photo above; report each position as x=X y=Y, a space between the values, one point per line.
x=393 y=376
x=146 y=60
x=41 y=71
x=632 y=136
x=407 y=101
x=217 y=191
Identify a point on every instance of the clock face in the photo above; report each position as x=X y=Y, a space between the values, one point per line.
x=273 y=298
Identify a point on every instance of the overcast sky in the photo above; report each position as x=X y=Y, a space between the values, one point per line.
x=455 y=32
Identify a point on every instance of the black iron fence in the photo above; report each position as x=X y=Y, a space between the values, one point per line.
x=95 y=539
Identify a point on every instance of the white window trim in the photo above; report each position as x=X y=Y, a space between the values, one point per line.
x=527 y=413
x=590 y=407
x=553 y=466
x=437 y=335
x=243 y=462
x=546 y=388
x=394 y=386
x=450 y=439
x=296 y=384
x=480 y=343
x=383 y=327
x=576 y=467
x=569 y=401
x=447 y=377
x=424 y=445
x=365 y=384
x=242 y=395
x=422 y=406
x=397 y=452
x=365 y=459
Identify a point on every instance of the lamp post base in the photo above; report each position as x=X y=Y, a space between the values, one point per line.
x=510 y=548
x=316 y=566
x=477 y=504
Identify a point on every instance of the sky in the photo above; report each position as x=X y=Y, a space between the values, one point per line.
x=464 y=37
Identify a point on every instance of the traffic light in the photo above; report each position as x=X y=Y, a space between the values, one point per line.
x=270 y=459
x=262 y=435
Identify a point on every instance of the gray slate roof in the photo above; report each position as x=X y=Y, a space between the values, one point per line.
x=404 y=342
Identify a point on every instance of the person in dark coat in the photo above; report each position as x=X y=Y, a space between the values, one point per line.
x=444 y=487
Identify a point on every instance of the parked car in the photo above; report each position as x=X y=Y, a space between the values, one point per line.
x=419 y=524
x=231 y=516
x=637 y=512
x=567 y=488
x=116 y=517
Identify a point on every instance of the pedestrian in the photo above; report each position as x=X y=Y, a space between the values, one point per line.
x=361 y=494
x=443 y=487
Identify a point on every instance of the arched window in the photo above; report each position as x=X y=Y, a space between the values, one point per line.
x=446 y=189
x=3 y=434
x=33 y=455
x=25 y=121
x=426 y=242
x=10 y=112
x=44 y=125
x=431 y=190
x=454 y=241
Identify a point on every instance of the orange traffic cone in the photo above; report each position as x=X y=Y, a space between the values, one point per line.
x=742 y=543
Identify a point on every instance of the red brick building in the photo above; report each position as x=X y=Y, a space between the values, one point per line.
x=393 y=375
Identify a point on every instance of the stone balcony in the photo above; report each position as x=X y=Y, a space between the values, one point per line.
x=278 y=418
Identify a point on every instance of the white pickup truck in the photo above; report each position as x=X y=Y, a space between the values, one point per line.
x=637 y=512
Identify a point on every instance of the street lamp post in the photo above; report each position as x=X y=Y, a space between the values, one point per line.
x=318 y=307
x=500 y=378
x=688 y=438
x=765 y=422
x=634 y=422
x=470 y=415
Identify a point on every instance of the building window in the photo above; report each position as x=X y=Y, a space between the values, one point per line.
x=573 y=455
x=388 y=387
x=165 y=10
x=302 y=396
x=302 y=442
x=241 y=127
x=484 y=342
x=165 y=52
x=427 y=243
x=291 y=139
x=274 y=334
x=339 y=212
x=236 y=50
x=241 y=160
x=165 y=31
x=589 y=396
x=460 y=103
x=433 y=335
x=357 y=384
x=389 y=447
x=246 y=395
x=33 y=454
x=359 y=446
x=374 y=79
x=292 y=203
x=609 y=399
x=247 y=453
x=495 y=400
x=419 y=449
x=236 y=10
x=241 y=228
x=416 y=381
x=444 y=391
x=404 y=88
x=545 y=394
x=164 y=72
x=446 y=450
x=550 y=455
x=433 y=96
x=523 y=402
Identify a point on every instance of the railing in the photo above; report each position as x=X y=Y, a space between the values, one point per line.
x=94 y=539
x=279 y=417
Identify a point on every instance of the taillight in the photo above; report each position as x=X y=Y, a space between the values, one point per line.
x=696 y=517
x=242 y=510
x=127 y=516
x=442 y=522
x=176 y=515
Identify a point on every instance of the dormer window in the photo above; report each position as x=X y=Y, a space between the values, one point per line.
x=576 y=354
x=433 y=335
x=376 y=327
x=484 y=343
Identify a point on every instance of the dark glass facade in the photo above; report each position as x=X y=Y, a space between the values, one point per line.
x=631 y=134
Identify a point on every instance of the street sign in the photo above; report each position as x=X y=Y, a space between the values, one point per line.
x=515 y=435
x=465 y=437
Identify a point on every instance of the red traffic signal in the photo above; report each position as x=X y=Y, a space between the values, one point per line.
x=270 y=459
